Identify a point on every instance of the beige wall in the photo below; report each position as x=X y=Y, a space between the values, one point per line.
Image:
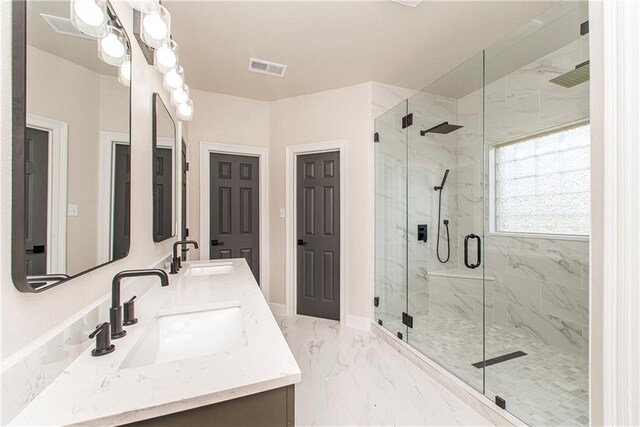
x=24 y=317
x=221 y=119
x=327 y=116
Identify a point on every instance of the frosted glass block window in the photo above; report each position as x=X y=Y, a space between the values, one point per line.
x=541 y=184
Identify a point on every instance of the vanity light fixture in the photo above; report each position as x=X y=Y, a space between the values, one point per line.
x=156 y=26
x=166 y=56
x=112 y=47
x=144 y=6
x=185 y=110
x=152 y=30
x=89 y=16
x=124 y=71
x=174 y=78
x=180 y=95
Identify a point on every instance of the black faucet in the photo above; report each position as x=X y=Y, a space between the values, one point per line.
x=115 y=312
x=176 y=265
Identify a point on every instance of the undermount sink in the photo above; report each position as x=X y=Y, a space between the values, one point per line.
x=212 y=268
x=189 y=333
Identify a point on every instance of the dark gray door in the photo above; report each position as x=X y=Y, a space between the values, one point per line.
x=318 y=235
x=234 y=209
x=121 y=200
x=36 y=171
x=162 y=189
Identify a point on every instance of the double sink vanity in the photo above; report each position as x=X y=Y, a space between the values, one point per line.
x=205 y=349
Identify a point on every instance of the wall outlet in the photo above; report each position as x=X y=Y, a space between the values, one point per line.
x=283 y=213
x=72 y=210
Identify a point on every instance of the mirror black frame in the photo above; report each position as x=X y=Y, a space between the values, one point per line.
x=157 y=102
x=18 y=124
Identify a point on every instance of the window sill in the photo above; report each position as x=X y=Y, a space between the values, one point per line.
x=570 y=237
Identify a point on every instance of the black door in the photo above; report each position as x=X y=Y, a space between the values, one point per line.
x=162 y=189
x=234 y=209
x=318 y=235
x=36 y=182
x=121 y=200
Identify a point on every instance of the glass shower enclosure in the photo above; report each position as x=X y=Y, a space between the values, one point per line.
x=482 y=220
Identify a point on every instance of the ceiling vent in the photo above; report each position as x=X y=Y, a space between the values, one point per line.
x=266 y=67
x=64 y=26
x=410 y=3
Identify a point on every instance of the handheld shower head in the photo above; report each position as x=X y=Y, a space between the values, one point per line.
x=444 y=179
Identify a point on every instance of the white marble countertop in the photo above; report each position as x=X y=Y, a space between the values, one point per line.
x=96 y=391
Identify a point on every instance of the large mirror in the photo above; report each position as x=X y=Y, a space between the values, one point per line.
x=164 y=149
x=71 y=164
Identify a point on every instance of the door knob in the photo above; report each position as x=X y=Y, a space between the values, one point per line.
x=216 y=243
x=302 y=242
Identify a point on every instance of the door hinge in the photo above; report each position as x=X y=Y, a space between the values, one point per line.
x=407 y=120
x=376 y=301
x=407 y=320
x=186 y=167
x=501 y=402
x=186 y=232
x=376 y=137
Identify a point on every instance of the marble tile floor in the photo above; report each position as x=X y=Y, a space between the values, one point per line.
x=352 y=378
x=547 y=387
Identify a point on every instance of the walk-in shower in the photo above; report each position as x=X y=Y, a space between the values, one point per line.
x=497 y=157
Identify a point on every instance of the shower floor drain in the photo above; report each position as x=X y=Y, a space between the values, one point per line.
x=499 y=359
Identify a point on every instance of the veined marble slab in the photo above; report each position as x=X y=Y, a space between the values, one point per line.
x=95 y=391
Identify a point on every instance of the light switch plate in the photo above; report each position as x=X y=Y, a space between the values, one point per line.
x=283 y=213
x=73 y=210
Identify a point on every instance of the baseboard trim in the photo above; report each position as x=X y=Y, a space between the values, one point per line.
x=357 y=322
x=455 y=385
x=278 y=309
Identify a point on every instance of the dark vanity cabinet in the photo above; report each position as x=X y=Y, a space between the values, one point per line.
x=270 y=408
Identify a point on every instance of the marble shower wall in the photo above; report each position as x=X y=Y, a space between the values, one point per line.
x=429 y=156
x=408 y=166
x=541 y=284
x=537 y=287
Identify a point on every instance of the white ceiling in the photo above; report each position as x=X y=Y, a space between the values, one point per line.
x=332 y=44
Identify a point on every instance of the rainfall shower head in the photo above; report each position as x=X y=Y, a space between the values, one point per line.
x=442 y=128
x=574 y=77
x=444 y=179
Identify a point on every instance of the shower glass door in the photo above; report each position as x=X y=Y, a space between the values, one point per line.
x=391 y=221
x=482 y=220
x=444 y=195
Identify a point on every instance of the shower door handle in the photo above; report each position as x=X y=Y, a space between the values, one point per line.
x=466 y=251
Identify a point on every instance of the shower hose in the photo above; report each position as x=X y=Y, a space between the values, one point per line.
x=446 y=225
